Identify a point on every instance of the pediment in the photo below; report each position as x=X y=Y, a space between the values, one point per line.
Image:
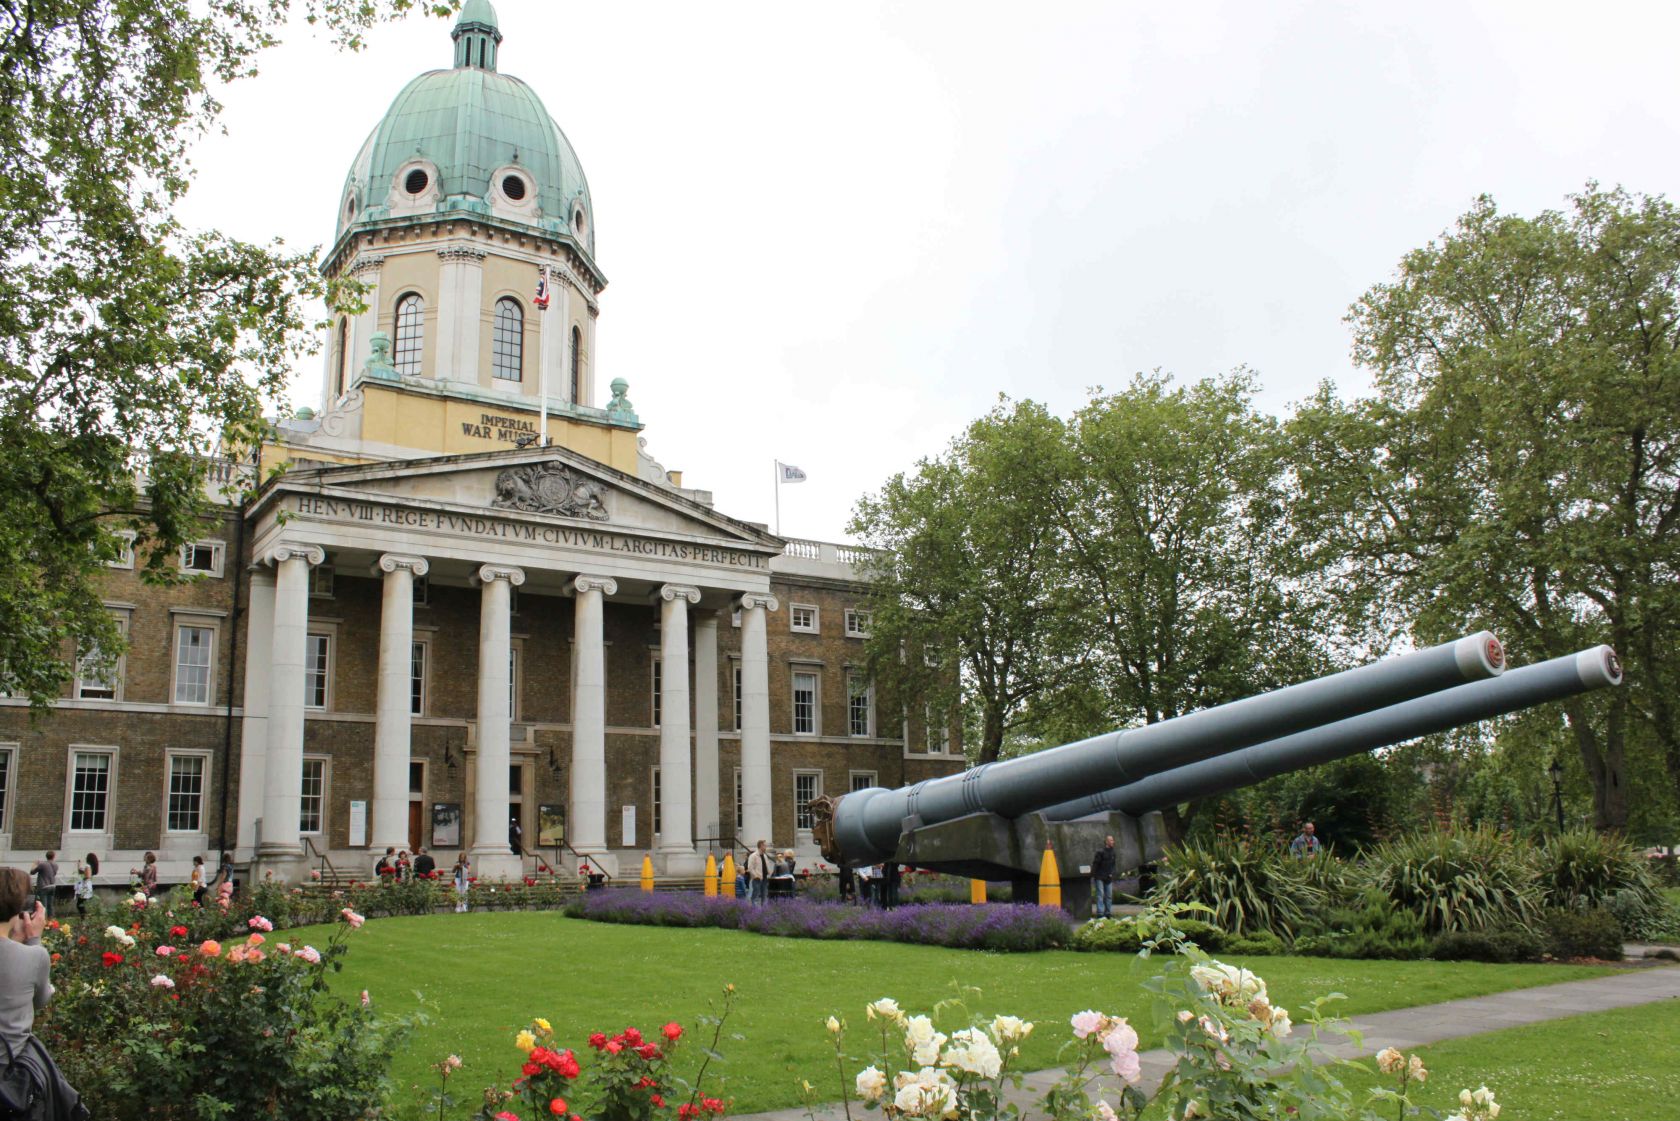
x=546 y=484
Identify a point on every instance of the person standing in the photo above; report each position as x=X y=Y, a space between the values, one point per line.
x=198 y=881
x=1102 y=880
x=85 y=872
x=1305 y=844
x=463 y=883
x=148 y=873
x=224 y=875
x=25 y=989
x=516 y=837
x=760 y=867
x=424 y=866
x=387 y=865
x=45 y=872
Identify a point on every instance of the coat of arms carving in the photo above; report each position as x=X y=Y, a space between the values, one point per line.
x=550 y=488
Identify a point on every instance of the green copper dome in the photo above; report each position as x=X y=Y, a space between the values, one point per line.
x=472 y=141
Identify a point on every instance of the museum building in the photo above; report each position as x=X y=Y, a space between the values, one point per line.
x=471 y=606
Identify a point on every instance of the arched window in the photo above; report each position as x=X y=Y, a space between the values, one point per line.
x=577 y=366
x=410 y=335
x=507 y=341
x=341 y=356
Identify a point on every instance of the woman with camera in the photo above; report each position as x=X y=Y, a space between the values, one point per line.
x=30 y=1079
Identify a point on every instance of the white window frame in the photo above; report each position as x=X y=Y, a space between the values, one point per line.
x=656 y=677
x=937 y=735
x=322 y=581
x=655 y=797
x=125 y=559
x=8 y=784
x=182 y=623
x=858 y=622
x=870 y=778
x=815 y=674
x=331 y=635
x=111 y=772
x=119 y=668
x=205 y=762
x=325 y=795
x=218 y=558
x=814 y=626
x=739 y=693
x=868 y=695
x=424 y=647
x=804 y=831
x=516 y=677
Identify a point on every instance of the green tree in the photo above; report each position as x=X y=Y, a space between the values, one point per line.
x=1176 y=520
x=131 y=348
x=967 y=603
x=1516 y=465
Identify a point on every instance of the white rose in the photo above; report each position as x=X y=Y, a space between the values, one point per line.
x=1464 y=1098
x=833 y=1026
x=118 y=932
x=924 y=1043
x=1281 y=1024
x=886 y=1009
x=1010 y=1029
x=927 y=1093
x=972 y=1052
x=871 y=1084
x=1229 y=983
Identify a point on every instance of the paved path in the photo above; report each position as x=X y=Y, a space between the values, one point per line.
x=1404 y=1028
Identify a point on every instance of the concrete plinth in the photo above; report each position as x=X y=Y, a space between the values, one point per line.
x=678 y=864
x=496 y=865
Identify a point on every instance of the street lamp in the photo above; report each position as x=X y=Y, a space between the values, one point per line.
x=1556 y=771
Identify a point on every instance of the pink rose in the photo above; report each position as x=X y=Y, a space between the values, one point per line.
x=1086 y=1023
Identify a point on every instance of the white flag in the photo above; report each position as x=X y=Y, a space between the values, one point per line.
x=790 y=473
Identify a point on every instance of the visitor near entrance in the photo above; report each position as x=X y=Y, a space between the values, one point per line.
x=1305 y=843
x=425 y=867
x=1102 y=880
x=463 y=883
x=197 y=881
x=760 y=867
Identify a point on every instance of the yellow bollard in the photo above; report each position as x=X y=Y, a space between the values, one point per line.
x=711 y=875
x=728 y=875
x=1049 y=880
x=977 y=891
x=647 y=872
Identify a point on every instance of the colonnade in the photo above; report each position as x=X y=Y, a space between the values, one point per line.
x=275 y=707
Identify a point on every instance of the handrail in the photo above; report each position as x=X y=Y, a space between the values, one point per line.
x=593 y=863
x=326 y=864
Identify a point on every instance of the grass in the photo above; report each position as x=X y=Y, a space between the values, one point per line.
x=481 y=977
x=1609 y=1066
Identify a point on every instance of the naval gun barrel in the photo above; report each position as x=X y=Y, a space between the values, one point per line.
x=864 y=827
x=1513 y=691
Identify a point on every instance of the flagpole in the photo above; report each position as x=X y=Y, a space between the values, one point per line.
x=542 y=360
x=776 y=470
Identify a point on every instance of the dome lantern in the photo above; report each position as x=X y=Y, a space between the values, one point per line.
x=476 y=36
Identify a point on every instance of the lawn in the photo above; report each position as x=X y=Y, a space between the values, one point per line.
x=481 y=977
x=1609 y=1066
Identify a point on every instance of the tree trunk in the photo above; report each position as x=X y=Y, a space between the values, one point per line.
x=1603 y=757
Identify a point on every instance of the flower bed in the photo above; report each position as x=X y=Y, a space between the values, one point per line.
x=960 y=926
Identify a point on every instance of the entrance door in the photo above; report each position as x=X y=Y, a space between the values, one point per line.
x=417 y=831
x=416 y=825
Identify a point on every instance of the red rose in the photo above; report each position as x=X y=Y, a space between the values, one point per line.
x=557 y=1106
x=177 y=932
x=632 y=1036
x=658 y=1101
x=644 y=1082
x=111 y=958
x=673 y=1031
x=531 y=1069
x=504 y=1115
x=648 y=1051
x=613 y=1047
x=686 y=1112
x=711 y=1105
x=598 y=1040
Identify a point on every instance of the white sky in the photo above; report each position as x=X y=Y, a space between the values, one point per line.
x=835 y=232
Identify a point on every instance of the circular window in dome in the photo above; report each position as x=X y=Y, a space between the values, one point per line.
x=513 y=187
x=415 y=181
x=577 y=221
x=349 y=208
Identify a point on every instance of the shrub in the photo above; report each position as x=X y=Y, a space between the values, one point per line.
x=1261 y=944
x=1583 y=869
x=195 y=1032
x=1516 y=944
x=1643 y=922
x=1463 y=879
x=1245 y=888
x=1374 y=928
x=1583 y=934
x=1128 y=935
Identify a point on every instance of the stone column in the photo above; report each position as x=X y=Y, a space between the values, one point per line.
x=459 y=314
x=706 y=724
x=676 y=766
x=367 y=268
x=280 y=850
x=392 y=732
x=253 y=725
x=588 y=819
x=755 y=718
x=491 y=856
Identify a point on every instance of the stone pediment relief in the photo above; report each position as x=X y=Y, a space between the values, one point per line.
x=551 y=488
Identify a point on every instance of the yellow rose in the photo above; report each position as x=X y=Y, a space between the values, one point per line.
x=543 y=1026
x=525 y=1041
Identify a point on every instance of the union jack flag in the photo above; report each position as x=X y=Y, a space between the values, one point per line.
x=541 y=298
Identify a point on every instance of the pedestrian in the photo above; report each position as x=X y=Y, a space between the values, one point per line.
x=760 y=867
x=224 y=875
x=25 y=989
x=386 y=867
x=891 y=877
x=425 y=868
x=1102 y=880
x=848 y=885
x=1305 y=844
x=46 y=880
x=867 y=877
x=85 y=872
x=148 y=873
x=463 y=883
x=198 y=884
x=516 y=837
x=403 y=867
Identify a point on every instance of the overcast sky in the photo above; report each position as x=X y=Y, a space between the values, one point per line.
x=834 y=233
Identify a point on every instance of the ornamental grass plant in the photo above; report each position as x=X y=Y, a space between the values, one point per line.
x=1471 y=879
x=1245 y=887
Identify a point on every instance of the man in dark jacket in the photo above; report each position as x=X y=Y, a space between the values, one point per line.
x=1102 y=880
